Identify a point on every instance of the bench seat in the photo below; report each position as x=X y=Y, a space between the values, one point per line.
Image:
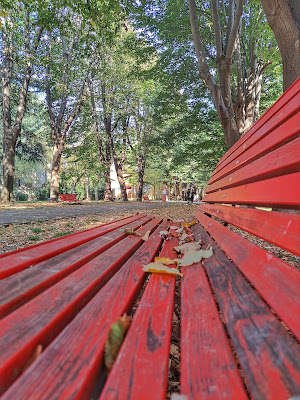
x=69 y=198
x=240 y=326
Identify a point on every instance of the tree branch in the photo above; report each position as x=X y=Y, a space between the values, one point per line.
x=217 y=26
x=235 y=28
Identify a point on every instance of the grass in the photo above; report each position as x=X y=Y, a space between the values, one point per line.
x=36 y=230
x=33 y=238
x=60 y=234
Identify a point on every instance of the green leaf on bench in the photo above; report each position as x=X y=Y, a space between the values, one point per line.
x=131 y=232
x=115 y=339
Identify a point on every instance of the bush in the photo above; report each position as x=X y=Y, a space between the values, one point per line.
x=21 y=196
x=42 y=194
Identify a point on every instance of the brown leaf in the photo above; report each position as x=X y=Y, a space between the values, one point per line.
x=195 y=256
x=164 y=260
x=115 y=339
x=189 y=224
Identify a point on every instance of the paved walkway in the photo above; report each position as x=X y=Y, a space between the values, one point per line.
x=18 y=216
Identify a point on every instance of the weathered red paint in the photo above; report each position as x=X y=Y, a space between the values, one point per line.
x=279 y=228
x=141 y=368
x=19 y=259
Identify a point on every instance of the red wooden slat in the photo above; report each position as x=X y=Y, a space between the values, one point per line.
x=282 y=229
x=282 y=109
x=41 y=319
x=70 y=367
x=284 y=160
x=141 y=368
x=280 y=192
x=15 y=261
x=208 y=368
x=277 y=282
x=268 y=355
x=289 y=131
x=19 y=288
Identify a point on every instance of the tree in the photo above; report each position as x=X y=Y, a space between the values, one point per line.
x=284 y=19
x=21 y=35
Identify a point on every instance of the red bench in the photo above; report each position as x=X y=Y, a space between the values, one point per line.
x=70 y=198
x=240 y=308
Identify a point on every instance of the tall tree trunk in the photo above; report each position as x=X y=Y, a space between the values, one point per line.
x=107 y=192
x=11 y=133
x=141 y=167
x=55 y=171
x=283 y=16
x=96 y=193
x=87 y=188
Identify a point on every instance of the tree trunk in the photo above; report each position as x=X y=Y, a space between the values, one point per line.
x=96 y=193
x=87 y=189
x=55 y=169
x=283 y=16
x=107 y=192
x=141 y=167
x=8 y=167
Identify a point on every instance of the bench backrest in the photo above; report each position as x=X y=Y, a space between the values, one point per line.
x=68 y=197
x=263 y=170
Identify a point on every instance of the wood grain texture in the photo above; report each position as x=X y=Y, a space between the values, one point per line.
x=141 y=368
x=208 y=368
x=19 y=259
x=276 y=281
x=69 y=368
x=268 y=355
x=21 y=287
x=281 y=161
x=280 y=192
x=43 y=318
x=281 y=229
x=283 y=109
x=282 y=134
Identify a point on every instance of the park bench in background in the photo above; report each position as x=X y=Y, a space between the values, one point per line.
x=240 y=308
x=69 y=198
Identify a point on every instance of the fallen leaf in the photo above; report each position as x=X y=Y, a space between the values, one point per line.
x=184 y=248
x=173 y=227
x=161 y=269
x=131 y=232
x=195 y=256
x=115 y=339
x=189 y=224
x=146 y=236
x=179 y=230
x=164 y=260
x=163 y=233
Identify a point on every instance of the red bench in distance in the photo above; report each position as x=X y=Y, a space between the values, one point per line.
x=70 y=198
x=240 y=326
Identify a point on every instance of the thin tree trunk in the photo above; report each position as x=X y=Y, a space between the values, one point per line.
x=87 y=189
x=107 y=192
x=141 y=167
x=96 y=193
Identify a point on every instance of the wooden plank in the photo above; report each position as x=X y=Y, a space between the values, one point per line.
x=281 y=229
x=19 y=259
x=281 y=161
x=70 y=367
x=283 y=134
x=145 y=375
x=276 y=281
x=19 y=288
x=268 y=355
x=284 y=108
x=280 y=192
x=208 y=368
x=44 y=317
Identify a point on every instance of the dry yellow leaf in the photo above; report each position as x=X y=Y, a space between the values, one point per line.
x=195 y=256
x=146 y=236
x=161 y=269
x=163 y=233
x=189 y=224
x=184 y=248
x=164 y=260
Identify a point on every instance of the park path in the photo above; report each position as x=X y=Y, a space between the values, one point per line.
x=18 y=216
